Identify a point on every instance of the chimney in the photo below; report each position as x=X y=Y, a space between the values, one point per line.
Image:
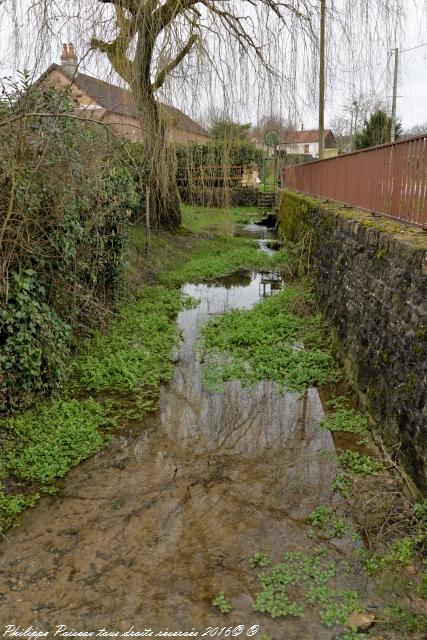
x=69 y=60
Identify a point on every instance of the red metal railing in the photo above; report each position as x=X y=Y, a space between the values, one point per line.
x=390 y=179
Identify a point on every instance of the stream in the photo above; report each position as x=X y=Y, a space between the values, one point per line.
x=147 y=532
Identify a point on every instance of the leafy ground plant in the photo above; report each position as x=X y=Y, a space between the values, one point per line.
x=220 y=220
x=402 y=621
x=358 y=463
x=422 y=588
x=333 y=526
x=260 y=559
x=400 y=553
x=222 y=603
x=11 y=505
x=135 y=350
x=43 y=444
x=344 y=418
x=310 y=580
x=341 y=484
x=266 y=343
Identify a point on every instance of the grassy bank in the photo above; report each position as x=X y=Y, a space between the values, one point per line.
x=222 y=221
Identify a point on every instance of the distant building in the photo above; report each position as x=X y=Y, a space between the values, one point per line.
x=307 y=142
x=115 y=105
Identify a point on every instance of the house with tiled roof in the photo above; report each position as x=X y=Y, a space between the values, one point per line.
x=115 y=105
x=306 y=142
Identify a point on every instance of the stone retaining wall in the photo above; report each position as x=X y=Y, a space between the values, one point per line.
x=370 y=275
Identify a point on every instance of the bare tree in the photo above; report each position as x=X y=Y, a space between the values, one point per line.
x=416 y=130
x=274 y=122
x=349 y=123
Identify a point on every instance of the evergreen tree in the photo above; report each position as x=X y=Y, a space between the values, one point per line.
x=376 y=130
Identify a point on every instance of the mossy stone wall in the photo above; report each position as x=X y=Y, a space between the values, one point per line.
x=370 y=275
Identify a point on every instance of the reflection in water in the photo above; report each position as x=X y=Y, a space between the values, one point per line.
x=260 y=420
x=148 y=531
x=263 y=234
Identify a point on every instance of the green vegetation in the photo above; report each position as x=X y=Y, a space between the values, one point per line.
x=420 y=514
x=43 y=444
x=222 y=603
x=320 y=517
x=193 y=157
x=352 y=635
x=66 y=208
x=35 y=340
x=222 y=257
x=341 y=484
x=344 y=418
x=201 y=168
x=221 y=220
x=309 y=578
x=260 y=559
x=136 y=349
x=358 y=463
x=402 y=621
x=225 y=130
x=132 y=356
x=333 y=527
x=376 y=130
x=400 y=552
x=265 y=343
x=11 y=505
x=422 y=589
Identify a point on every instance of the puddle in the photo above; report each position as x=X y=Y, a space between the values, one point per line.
x=147 y=532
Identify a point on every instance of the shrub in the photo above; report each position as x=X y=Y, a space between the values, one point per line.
x=67 y=195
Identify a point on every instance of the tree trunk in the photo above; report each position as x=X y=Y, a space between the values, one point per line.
x=164 y=198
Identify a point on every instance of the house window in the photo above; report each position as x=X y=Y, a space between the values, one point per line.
x=306 y=148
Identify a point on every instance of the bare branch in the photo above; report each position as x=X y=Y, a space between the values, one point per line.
x=116 y=50
x=167 y=69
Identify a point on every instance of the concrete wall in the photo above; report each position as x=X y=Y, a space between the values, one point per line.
x=370 y=276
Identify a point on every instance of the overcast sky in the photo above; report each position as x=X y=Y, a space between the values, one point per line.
x=362 y=68
x=412 y=100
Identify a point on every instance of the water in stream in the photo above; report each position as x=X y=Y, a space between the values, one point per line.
x=148 y=531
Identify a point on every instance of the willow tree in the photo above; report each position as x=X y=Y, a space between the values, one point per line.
x=261 y=54
x=144 y=29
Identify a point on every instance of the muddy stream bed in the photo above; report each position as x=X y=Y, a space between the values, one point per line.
x=147 y=532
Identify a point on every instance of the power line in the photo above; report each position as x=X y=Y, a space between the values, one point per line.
x=412 y=48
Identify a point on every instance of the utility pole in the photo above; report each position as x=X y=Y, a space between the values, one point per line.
x=355 y=110
x=322 y=50
x=393 y=105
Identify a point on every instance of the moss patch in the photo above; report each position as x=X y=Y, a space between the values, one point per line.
x=297 y=216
